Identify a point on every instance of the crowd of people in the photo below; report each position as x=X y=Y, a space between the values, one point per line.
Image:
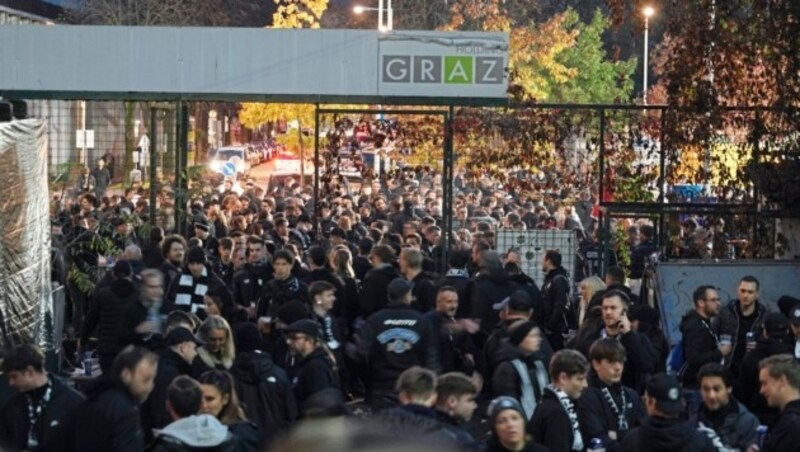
x=260 y=322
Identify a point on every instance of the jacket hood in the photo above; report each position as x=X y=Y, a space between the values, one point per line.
x=253 y=367
x=318 y=353
x=202 y=430
x=665 y=434
x=769 y=347
x=495 y=276
x=262 y=269
x=555 y=272
x=122 y=288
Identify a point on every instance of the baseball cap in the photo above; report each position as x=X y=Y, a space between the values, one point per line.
x=398 y=288
x=180 y=335
x=667 y=392
x=790 y=307
x=776 y=322
x=519 y=301
x=305 y=326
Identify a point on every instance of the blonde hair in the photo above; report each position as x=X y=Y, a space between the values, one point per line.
x=593 y=285
x=215 y=322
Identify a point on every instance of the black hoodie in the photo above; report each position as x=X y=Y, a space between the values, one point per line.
x=105 y=312
x=265 y=392
x=657 y=434
x=785 y=434
x=373 y=293
x=491 y=287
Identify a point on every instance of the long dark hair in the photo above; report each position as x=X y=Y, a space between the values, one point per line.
x=223 y=381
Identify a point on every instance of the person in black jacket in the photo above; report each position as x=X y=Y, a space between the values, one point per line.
x=522 y=374
x=190 y=431
x=492 y=286
x=555 y=300
x=314 y=370
x=376 y=281
x=284 y=288
x=721 y=412
x=221 y=401
x=772 y=342
x=319 y=271
x=455 y=404
x=105 y=312
x=700 y=344
x=555 y=423
x=642 y=251
x=141 y=323
x=186 y=291
x=174 y=360
x=263 y=388
x=451 y=335
x=645 y=320
x=424 y=291
x=640 y=356
x=173 y=248
x=516 y=307
x=393 y=340
x=250 y=280
x=607 y=409
x=780 y=385
x=361 y=264
x=457 y=276
x=108 y=420
x=663 y=430
x=33 y=417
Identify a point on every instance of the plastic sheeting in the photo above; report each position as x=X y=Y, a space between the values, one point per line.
x=25 y=291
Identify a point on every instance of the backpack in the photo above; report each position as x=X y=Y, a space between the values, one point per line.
x=676 y=361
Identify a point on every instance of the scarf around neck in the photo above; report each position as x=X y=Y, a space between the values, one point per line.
x=569 y=408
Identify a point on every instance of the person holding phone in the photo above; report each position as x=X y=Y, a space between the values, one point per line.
x=641 y=357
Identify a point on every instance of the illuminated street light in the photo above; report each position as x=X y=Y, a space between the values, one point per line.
x=389 y=25
x=648 y=12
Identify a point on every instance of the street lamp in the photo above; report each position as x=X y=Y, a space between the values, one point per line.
x=648 y=13
x=358 y=9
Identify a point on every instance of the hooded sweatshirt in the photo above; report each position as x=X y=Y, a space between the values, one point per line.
x=201 y=432
x=657 y=434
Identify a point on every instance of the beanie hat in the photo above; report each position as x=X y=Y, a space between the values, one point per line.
x=196 y=255
x=518 y=331
x=247 y=337
x=501 y=404
x=292 y=311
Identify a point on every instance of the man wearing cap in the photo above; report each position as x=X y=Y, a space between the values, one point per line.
x=187 y=291
x=517 y=306
x=202 y=230
x=173 y=360
x=393 y=340
x=315 y=369
x=771 y=342
x=663 y=429
x=105 y=312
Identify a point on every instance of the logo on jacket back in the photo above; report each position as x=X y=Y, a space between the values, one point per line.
x=398 y=340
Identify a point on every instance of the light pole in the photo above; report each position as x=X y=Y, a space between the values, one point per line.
x=389 y=23
x=648 y=13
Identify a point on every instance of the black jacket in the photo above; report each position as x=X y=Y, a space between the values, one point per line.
x=506 y=380
x=361 y=266
x=373 y=289
x=748 y=389
x=700 y=346
x=424 y=292
x=555 y=301
x=108 y=420
x=639 y=254
x=784 y=436
x=154 y=411
x=490 y=288
x=277 y=293
x=463 y=440
x=497 y=349
x=734 y=425
x=105 y=312
x=527 y=284
x=417 y=420
x=312 y=374
x=247 y=436
x=667 y=435
x=458 y=279
x=395 y=339
x=551 y=426
x=640 y=357
x=598 y=418
x=451 y=345
x=265 y=392
x=248 y=283
x=14 y=418
x=327 y=276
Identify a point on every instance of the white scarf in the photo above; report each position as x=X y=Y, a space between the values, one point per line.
x=569 y=407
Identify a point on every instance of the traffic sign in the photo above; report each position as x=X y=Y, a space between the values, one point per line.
x=229 y=169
